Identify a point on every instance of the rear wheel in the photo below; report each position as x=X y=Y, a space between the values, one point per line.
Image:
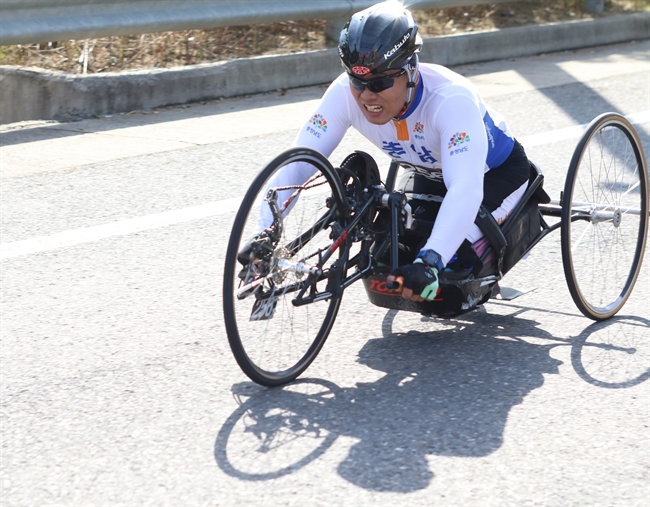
x=605 y=216
x=277 y=309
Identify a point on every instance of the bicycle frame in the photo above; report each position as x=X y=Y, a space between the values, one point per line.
x=377 y=197
x=399 y=211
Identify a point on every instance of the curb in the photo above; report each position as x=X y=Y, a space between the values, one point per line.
x=33 y=94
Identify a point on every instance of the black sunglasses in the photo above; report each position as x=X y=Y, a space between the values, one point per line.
x=376 y=85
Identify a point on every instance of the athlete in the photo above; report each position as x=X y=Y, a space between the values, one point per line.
x=434 y=124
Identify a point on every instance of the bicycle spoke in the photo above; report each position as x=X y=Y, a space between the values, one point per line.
x=607 y=188
x=272 y=338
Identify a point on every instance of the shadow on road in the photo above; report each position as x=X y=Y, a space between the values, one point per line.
x=446 y=393
x=613 y=354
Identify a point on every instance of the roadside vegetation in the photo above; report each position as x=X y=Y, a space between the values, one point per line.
x=188 y=47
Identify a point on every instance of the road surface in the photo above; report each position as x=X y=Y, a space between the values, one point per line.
x=119 y=388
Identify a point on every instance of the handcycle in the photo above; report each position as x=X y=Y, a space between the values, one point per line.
x=346 y=225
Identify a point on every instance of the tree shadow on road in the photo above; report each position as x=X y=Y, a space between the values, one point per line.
x=444 y=393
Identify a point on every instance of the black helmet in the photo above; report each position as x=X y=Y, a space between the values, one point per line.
x=380 y=38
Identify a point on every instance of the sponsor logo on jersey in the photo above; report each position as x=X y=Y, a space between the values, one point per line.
x=489 y=134
x=396 y=47
x=457 y=139
x=418 y=131
x=319 y=121
x=360 y=71
x=393 y=149
x=425 y=155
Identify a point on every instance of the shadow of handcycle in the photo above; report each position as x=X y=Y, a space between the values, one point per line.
x=613 y=354
x=446 y=393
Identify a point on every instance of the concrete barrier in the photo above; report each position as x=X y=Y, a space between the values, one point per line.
x=33 y=94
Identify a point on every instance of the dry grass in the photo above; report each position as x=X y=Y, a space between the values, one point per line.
x=170 y=49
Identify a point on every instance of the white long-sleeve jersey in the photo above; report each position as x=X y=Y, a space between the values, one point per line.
x=446 y=134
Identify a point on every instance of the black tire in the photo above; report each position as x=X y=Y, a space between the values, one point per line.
x=604 y=225
x=274 y=351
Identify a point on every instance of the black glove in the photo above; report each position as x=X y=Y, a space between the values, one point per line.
x=259 y=246
x=420 y=278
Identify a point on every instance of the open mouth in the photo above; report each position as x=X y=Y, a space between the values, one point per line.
x=373 y=108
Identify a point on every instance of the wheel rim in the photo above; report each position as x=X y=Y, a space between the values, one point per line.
x=275 y=350
x=610 y=188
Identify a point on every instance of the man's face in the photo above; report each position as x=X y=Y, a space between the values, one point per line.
x=379 y=108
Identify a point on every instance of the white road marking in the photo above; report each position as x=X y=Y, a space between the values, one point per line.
x=158 y=220
x=554 y=136
x=119 y=228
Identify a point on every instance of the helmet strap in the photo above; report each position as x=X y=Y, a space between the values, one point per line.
x=412 y=73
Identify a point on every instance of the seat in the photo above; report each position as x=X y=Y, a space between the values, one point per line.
x=509 y=241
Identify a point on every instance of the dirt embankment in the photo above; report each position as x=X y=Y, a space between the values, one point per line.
x=171 y=49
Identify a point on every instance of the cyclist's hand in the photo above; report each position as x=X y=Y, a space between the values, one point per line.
x=260 y=246
x=420 y=281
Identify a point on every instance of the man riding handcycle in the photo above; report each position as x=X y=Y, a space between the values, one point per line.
x=433 y=244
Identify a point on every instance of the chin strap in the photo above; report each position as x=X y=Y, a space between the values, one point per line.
x=412 y=73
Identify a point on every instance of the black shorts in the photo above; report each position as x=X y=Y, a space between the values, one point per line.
x=498 y=183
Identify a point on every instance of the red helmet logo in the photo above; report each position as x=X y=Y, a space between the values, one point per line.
x=360 y=71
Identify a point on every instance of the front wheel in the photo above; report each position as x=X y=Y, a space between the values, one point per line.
x=277 y=308
x=605 y=216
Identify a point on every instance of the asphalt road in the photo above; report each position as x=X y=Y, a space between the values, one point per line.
x=119 y=388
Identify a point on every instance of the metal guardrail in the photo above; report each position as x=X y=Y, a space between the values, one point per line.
x=32 y=21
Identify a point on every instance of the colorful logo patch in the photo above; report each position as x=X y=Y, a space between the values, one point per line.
x=360 y=71
x=419 y=128
x=318 y=121
x=458 y=138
